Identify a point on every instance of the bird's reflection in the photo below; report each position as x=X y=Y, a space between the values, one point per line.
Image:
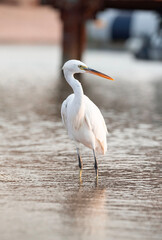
x=85 y=208
x=80 y=177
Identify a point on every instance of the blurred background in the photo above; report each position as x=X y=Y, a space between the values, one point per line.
x=42 y=196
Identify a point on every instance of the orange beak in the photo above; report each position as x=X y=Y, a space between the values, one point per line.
x=92 y=71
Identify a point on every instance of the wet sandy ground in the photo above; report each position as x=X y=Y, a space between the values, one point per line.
x=41 y=195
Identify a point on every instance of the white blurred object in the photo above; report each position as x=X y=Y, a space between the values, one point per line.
x=144 y=23
x=102 y=33
x=134 y=44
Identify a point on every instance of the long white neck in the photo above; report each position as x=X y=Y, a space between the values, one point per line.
x=75 y=85
x=78 y=90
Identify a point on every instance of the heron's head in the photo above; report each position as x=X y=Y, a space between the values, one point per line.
x=76 y=66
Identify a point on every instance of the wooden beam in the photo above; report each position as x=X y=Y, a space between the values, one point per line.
x=134 y=4
x=96 y=5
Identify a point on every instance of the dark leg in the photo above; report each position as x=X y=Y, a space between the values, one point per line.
x=96 y=163
x=79 y=159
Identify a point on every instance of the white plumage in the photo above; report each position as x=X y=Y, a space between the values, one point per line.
x=81 y=117
x=87 y=126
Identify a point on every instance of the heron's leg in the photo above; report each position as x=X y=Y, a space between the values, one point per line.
x=79 y=159
x=96 y=163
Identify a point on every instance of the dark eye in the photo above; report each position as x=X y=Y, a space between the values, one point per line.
x=81 y=67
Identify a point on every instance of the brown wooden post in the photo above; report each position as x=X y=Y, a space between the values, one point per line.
x=73 y=33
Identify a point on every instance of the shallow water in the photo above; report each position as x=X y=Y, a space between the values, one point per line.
x=41 y=194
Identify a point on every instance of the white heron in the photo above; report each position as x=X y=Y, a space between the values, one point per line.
x=81 y=117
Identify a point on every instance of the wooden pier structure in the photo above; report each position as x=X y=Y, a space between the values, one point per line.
x=74 y=14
